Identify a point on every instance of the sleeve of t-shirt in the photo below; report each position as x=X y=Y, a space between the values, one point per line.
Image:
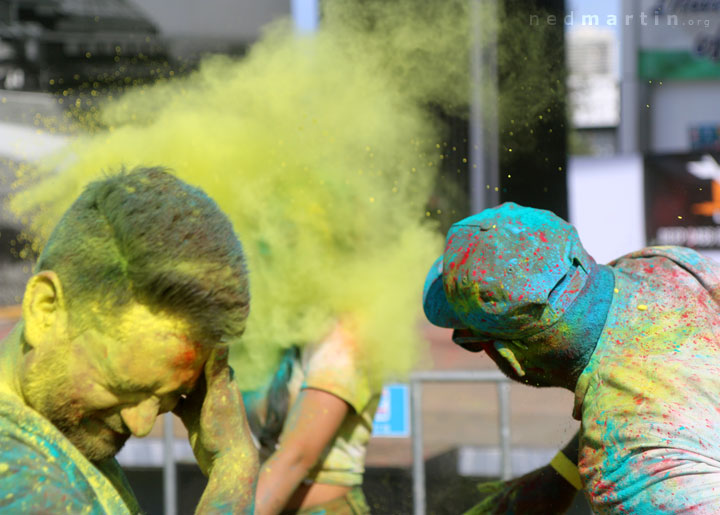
x=29 y=483
x=333 y=366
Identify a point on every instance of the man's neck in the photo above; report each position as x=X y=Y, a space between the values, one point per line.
x=559 y=354
x=10 y=359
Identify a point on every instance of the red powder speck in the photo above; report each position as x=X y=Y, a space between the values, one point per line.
x=185 y=358
x=542 y=237
x=465 y=257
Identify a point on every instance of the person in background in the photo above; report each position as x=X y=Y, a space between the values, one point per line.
x=313 y=422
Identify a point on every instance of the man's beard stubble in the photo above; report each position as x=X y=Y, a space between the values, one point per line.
x=97 y=442
x=91 y=435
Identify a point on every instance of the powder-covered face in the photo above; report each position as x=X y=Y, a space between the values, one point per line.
x=501 y=352
x=112 y=381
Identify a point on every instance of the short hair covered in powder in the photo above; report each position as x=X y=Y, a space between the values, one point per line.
x=147 y=236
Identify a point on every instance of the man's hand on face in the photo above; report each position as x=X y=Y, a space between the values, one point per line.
x=214 y=416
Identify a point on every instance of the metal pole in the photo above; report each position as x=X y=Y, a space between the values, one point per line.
x=459 y=376
x=492 y=137
x=169 y=470
x=503 y=391
x=484 y=157
x=477 y=126
x=630 y=101
x=306 y=15
x=418 y=470
x=454 y=376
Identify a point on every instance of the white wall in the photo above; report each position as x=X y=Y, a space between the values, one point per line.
x=605 y=200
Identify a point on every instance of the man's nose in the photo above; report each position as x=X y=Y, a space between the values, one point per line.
x=140 y=417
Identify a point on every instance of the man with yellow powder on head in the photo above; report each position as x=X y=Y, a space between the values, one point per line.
x=139 y=285
x=635 y=340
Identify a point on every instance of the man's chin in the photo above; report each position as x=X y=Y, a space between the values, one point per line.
x=94 y=438
x=99 y=448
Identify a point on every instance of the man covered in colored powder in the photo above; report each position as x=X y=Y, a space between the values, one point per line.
x=636 y=340
x=139 y=285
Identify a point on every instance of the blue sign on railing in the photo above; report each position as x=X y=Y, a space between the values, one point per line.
x=392 y=418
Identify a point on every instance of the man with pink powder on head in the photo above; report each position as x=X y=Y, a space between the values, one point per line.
x=636 y=341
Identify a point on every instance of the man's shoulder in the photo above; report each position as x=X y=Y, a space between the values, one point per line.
x=32 y=480
x=689 y=259
x=40 y=472
x=681 y=266
x=681 y=255
x=27 y=456
x=21 y=448
x=24 y=432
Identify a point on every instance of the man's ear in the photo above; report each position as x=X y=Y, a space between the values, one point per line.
x=43 y=307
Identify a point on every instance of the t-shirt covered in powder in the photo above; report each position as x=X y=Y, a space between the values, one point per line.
x=649 y=399
x=42 y=472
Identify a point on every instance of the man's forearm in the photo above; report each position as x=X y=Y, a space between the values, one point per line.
x=231 y=485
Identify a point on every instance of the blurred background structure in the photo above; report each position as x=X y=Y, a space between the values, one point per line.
x=629 y=153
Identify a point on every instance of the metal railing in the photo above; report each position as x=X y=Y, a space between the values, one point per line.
x=455 y=376
x=169 y=466
x=418 y=468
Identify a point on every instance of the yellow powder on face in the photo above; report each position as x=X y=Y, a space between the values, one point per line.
x=509 y=356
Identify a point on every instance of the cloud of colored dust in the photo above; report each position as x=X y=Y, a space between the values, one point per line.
x=323 y=161
x=322 y=152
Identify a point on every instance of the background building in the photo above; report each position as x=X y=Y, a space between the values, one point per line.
x=593 y=89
